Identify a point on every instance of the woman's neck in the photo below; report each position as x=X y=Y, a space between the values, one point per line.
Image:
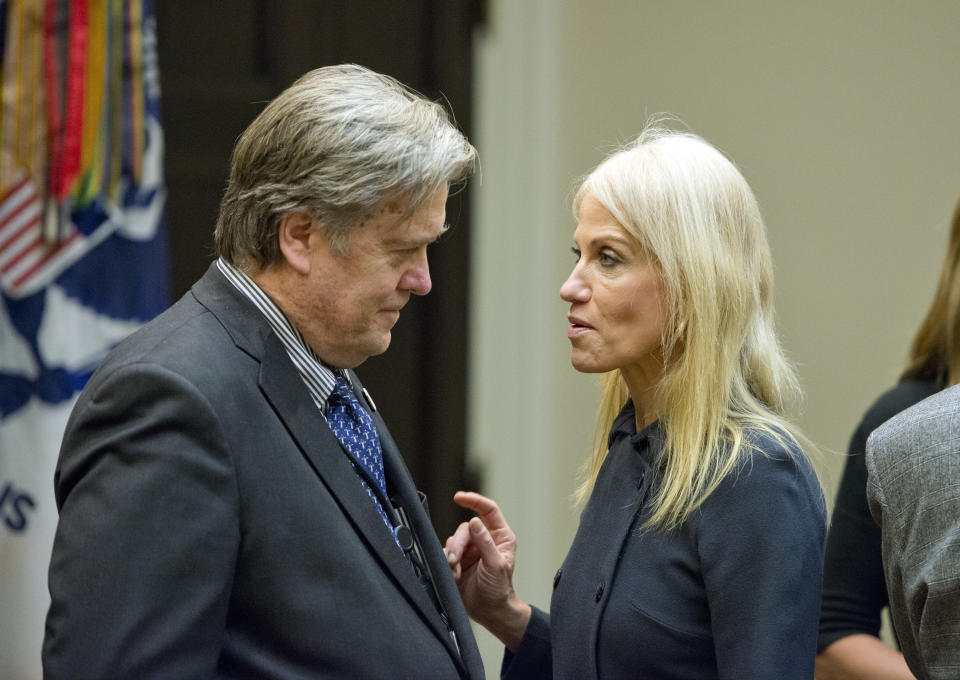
x=642 y=385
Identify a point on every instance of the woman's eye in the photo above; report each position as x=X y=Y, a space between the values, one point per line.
x=576 y=253
x=608 y=259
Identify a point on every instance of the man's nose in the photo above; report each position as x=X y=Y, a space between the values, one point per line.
x=417 y=278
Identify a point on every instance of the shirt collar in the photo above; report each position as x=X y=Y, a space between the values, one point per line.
x=625 y=426
x=318 y=378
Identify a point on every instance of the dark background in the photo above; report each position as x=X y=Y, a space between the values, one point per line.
x=220 y=62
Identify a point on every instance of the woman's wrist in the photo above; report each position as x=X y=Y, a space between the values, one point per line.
x=510 y=622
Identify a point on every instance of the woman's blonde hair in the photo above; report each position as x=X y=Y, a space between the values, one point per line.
x=724 y=372
x=935 y=354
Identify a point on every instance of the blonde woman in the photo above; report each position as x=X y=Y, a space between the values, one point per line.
x=699 y=552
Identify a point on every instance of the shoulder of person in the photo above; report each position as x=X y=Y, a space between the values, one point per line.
x=184 y=340
x=909 y=455
x=898 y=398
x=772 y=490
x=928 y=419
x=770 y=463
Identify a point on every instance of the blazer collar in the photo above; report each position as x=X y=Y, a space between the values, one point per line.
x=244 y=323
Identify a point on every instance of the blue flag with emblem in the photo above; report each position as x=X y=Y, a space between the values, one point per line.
x=83 y=257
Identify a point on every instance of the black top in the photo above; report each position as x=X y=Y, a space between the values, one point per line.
x=854 y=592
x=733 y=592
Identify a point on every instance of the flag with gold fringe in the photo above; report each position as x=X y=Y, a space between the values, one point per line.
x=82 y=254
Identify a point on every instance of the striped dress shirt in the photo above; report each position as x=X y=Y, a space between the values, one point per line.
x=318 y=378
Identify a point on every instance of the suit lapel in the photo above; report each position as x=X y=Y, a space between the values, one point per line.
x=284 y=389
x=398 y=477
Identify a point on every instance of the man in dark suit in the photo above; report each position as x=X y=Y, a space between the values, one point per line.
x=231 y=504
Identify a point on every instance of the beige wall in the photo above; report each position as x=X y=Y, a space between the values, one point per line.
x=843 y=115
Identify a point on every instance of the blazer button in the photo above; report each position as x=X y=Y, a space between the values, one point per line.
x=643 y=475
x=556 y=577
x=597 y=595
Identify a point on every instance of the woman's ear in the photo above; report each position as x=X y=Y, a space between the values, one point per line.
x=294 y=238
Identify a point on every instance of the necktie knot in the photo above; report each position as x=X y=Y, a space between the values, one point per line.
x=342 y=395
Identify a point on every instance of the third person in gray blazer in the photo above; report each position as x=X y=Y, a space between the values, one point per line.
x=913 y=488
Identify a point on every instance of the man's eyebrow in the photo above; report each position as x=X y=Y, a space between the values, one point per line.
x=401 y=242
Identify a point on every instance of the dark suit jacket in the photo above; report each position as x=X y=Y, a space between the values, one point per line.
x=212 y=526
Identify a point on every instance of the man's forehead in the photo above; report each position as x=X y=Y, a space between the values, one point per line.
x=395 y=222
x=423 y=226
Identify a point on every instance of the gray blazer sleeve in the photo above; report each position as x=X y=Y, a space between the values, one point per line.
x=913 y=489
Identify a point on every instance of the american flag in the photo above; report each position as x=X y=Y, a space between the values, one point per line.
x=27 y=261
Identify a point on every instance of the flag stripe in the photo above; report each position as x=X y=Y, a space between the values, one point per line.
x=28 y=219
x=11 y=200
x=91 y=154
x=136 y=111
x=54 y=116
x=73 y=119
x=30 y=250
x=116 y=100
x=11 y=59
x=62 y=248
x=35 y=157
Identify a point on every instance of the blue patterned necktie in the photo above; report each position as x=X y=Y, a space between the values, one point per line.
x=356 y=431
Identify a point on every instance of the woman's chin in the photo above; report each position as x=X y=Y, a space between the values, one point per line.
x=586 y=365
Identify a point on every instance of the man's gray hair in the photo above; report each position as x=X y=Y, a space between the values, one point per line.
x=339 y=143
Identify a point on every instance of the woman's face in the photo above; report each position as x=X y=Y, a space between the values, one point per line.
x=616 y=301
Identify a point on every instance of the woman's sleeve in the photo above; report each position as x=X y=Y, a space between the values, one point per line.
x=854 y=591
x=760 y=541
x=533 y=659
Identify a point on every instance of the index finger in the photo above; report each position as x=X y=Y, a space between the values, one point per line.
x=486 y=508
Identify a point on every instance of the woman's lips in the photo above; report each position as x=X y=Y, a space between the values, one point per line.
x=577 y=327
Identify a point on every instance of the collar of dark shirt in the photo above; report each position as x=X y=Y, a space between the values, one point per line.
x=624 y=425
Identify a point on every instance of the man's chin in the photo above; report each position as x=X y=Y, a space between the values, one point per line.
x=384 y=345
x=379 y=345
x=361 y=351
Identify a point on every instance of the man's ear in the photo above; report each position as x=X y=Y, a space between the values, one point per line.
x=296 y=236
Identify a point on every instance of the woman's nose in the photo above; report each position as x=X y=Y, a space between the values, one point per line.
x=574 y=289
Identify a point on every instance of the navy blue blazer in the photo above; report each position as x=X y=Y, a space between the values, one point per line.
x=733 y=593
x=211 y=525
